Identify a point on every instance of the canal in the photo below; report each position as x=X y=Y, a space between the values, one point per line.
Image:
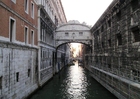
x=73 y=82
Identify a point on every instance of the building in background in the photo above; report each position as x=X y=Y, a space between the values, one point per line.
x=18 y=48
x=50 y=15
x=116 y=55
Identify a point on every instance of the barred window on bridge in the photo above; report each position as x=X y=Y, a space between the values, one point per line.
x=66 y=34
x=81 y=33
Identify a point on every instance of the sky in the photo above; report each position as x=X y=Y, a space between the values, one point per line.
x=76 y=48
x=88 y=11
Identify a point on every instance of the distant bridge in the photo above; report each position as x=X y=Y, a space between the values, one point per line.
x=71 y=32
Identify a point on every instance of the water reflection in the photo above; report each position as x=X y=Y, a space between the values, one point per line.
x=74 y=83
x=76 y=86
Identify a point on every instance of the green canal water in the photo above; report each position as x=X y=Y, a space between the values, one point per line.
x=73 y=82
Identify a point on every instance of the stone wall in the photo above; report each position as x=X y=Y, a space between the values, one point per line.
x=120 y=87
x=18 y=71
x=116 y=58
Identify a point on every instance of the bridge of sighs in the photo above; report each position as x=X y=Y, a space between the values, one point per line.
x=73 y=32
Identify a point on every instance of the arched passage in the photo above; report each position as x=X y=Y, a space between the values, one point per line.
x=89 y=46
x=63 y=57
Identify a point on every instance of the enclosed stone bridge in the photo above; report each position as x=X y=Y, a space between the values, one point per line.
x=71 y=32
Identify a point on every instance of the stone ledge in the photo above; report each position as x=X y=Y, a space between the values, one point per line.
x=6 y=44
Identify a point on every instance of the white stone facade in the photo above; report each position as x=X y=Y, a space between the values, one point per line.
x=54 y=9
x=18 y=71
x=73 y=31
x=50 y=14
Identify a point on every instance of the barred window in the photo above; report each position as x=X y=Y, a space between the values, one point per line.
x=109 y=42
x=119 y=39
x=134 y=4
x=109 y=23
x=80 y=33
x=118 y=16
x=103 y=45
x=66 y=34
x=102 y=28
x=29 y=72
x=17 y=76
x=136 y=35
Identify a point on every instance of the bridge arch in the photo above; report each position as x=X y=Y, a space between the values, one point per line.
x=73 y=32
x=74 y=42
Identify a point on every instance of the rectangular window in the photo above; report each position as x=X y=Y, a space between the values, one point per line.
x=103 y=45
x=29 y=71
x=102 y=28
x=17 y=76
x=26 y=5
x=42 y=32
x=97 y=32
x=56 y=21
x=32 y=9
x=14 y=1
x=109 y=23
x=36 y=69
x=12 y=30
x=135 y=4
x=44 y=35
x=66 y=34
x=136 y=35
x=109 y=42
x=73 y=34
x=26 y=35
x=0 y=83
x=109 y=66
x=119 y=39
x=118 y=16
x=81 y=33
x=41 y=53
x=32 y=37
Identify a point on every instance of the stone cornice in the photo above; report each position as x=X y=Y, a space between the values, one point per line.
x=73 y=24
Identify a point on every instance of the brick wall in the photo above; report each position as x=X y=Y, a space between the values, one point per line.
x=16 y=10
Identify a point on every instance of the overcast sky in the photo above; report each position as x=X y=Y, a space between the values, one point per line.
x=87 y=11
